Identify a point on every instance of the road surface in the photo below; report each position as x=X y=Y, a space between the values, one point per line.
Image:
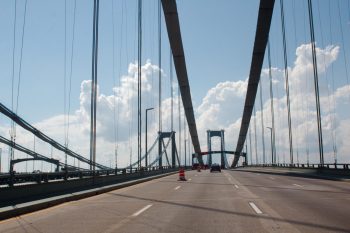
x=242 y=200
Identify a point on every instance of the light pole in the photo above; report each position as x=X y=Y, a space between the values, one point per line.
x=272 y=162
x=146 y=158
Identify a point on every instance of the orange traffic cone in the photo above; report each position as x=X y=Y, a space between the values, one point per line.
x=182 y=175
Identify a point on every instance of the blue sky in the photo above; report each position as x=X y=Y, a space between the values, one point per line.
x=218 y=38
x=43 y=53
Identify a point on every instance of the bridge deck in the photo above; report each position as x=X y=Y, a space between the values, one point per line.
x=230 y=201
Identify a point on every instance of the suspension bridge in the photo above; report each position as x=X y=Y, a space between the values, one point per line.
x=92 y=170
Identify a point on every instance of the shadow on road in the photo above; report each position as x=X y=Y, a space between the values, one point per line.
x=313 y=225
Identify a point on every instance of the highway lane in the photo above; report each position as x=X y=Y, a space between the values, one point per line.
x=231 y=201
x=309 y=204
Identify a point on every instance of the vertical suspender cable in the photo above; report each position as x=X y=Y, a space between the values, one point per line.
x=65 y=82
x=114 y=85
x=21 y=55
x=171 y=91
x=307 y=114
x=13 y=126
x=70 y=74
x=314 y=62
x=13 y=129
x=184 y=135
x=287 y=83
x=250 y=145
x=94 y=87
x=262 y=122
x=342 y=39
x=255 y=141
x=179 y=110
x=139 y=80
x=326 y=75
x=272 y=109
x=160 y=66
x=95 y=96
x=333 y=87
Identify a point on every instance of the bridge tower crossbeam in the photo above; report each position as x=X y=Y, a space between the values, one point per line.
x=216 y=133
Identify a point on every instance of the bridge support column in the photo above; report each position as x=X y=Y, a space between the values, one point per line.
x=173 y=150
x=171 y=136
x=209 y=148
x=216 y=133
x=223 y=165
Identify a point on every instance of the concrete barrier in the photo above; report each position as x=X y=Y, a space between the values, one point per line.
x=31 y=198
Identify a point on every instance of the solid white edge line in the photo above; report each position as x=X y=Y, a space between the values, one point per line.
x=255 y=208
x=141 y=210
x=176 y=188
x=236 y=186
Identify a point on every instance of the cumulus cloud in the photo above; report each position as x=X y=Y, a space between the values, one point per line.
x=223 y=105
x=221 y=108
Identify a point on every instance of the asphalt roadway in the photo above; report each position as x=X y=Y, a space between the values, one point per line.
x=243 y=200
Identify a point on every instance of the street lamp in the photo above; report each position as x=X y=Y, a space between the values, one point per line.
x=146 y=163
x=271 y=145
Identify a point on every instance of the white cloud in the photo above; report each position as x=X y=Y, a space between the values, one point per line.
x=221 y=108
x=223 y=105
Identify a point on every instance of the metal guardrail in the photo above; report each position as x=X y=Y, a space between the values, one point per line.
x=333 y=166
x=19 y=179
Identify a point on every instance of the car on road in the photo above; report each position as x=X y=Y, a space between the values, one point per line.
x=195 y=166
x=215 y=167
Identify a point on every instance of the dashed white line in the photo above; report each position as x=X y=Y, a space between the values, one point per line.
x=189 y=179
x=271 y=178
x=141 y=210
x=236 y=186
x=255 y=208
x=298 y=185
x=176 y=188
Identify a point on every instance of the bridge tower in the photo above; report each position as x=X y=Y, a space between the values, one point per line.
x=161 y=146
x=216 y=133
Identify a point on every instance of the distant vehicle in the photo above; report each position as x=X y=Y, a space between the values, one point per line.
x=195 y=166
x=215 y=167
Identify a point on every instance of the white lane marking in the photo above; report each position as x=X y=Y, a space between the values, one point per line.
x=195 y=175
x=257 y=174
x=255 y=208
x=141 y=210
x=236 y=186
x=177 y=188
x=298 y=185
x=271 y=178
x=189 y=179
